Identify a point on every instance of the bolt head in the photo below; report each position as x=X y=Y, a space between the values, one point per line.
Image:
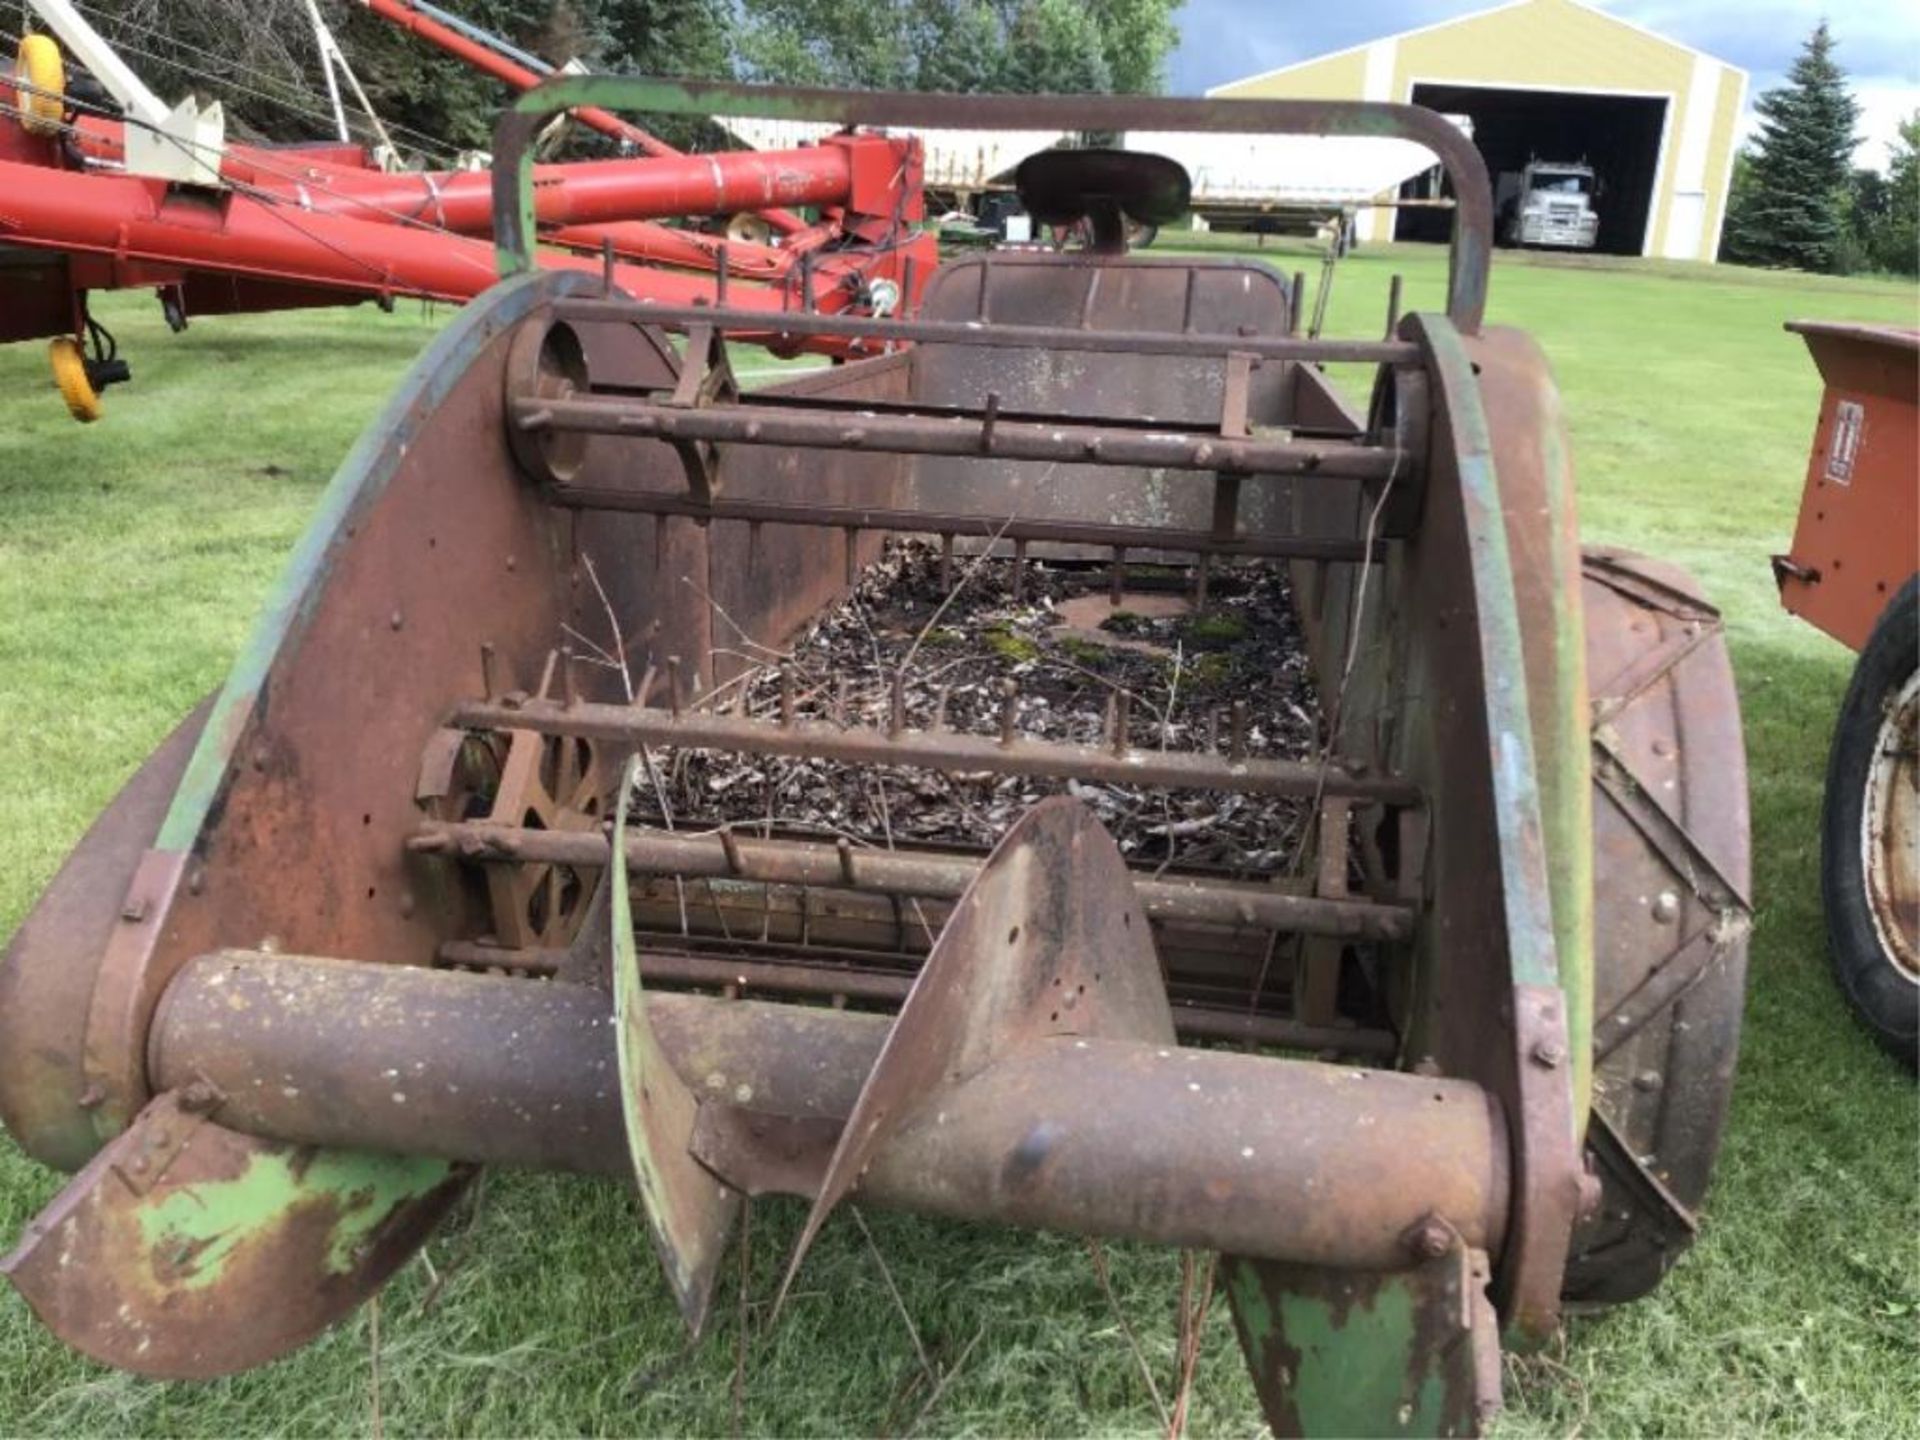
x=1549 y=1054
x=1430 y=1240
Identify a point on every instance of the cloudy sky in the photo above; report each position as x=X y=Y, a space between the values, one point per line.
x=1879 y=47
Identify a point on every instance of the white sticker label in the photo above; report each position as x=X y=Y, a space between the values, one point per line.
x=1849 y=419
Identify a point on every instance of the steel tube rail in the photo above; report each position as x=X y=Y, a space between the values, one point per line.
x=470 y=1067
x=135 y=222
x=132 y=221
x=935 y=750
x=505 y=68
x=765 y=424
x=1139 y=539
x=1470 y=256
x=1282 y=1159
x=824 y=980
x=587 y=192
x=998 y=335
x=887 y=872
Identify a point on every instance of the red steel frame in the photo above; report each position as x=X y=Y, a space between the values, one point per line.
x=307 y=226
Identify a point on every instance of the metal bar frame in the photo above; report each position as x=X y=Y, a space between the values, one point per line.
x=1009 y=754
x=882 y=872
x=1143 y=539
x=1470 y=256
x=995 y=336
x=751 y=423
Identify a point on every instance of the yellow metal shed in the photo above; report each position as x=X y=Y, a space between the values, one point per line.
x=1558 y=80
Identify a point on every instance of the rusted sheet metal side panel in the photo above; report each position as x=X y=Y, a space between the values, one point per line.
x=47 y=975
x=1533 y=467
x=185 y=1250
x=1097 y=293
x=769 y=580
x=1858 y=537
x=428 y=541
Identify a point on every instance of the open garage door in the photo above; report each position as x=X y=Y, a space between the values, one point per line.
x=1618 y=135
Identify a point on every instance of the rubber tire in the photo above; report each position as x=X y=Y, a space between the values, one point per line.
x=1886 y=1001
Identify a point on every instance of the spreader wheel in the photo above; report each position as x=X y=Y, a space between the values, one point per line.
x=1671 y=916
x=1870 y=832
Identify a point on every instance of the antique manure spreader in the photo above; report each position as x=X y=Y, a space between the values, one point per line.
x=398 y=902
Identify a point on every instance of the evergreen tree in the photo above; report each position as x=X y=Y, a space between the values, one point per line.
x=1793 y=210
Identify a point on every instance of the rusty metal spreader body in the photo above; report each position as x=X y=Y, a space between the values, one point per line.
x=378 y=912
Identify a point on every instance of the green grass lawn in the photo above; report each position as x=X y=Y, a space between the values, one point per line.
x=134 y=553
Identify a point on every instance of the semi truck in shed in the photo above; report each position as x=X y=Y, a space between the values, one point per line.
x=1550 y=203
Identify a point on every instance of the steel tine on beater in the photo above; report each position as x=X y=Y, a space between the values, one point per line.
x=1048 y=940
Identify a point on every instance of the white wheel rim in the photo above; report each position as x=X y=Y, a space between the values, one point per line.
x=1890 y=832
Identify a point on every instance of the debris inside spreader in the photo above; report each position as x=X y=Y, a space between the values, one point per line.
x=1083 y=659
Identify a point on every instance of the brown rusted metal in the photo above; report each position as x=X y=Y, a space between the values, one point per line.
x=864 y=978
x=1006 y=334
x=52 y=961
x=762 y=423
x=1048 y=928
x=1469 y=259
x=562 y=545
x=938 y=750
x=796 y=862
x=186 y=1250
x=1673 y=916
x=952 y=523
x=1069 y=1109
